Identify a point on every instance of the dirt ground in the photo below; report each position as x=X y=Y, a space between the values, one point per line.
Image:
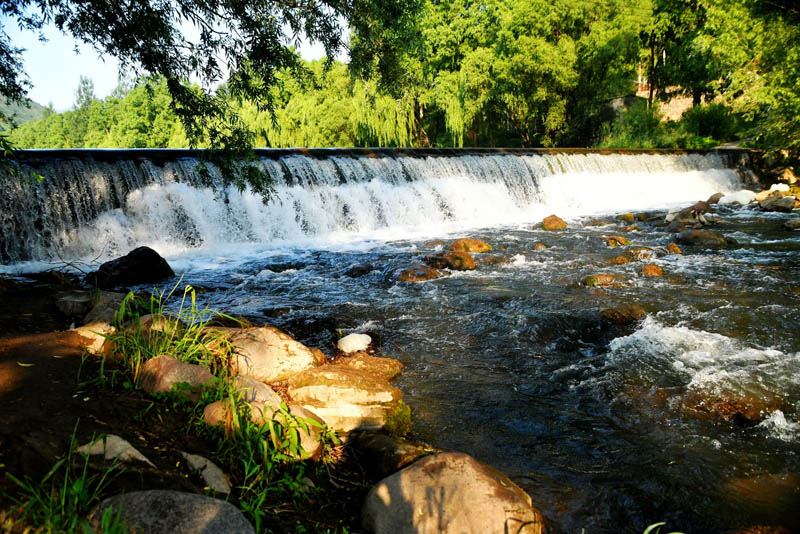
x=48 y=396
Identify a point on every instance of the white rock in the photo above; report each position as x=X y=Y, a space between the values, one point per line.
x=779 y=187
x=212 y=475
x=95 y=335
x=111 y=447
x=739 y=197
x=354 y=343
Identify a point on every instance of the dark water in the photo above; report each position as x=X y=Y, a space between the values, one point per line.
x=513 y=365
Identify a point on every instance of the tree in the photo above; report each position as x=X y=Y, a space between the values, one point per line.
x=244 y=38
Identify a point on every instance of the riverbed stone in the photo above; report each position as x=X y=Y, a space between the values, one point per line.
x=792 y=224
x=114 y=447
x=652 y=270
x=619 y=260
x=420 y=273
x=350 y=399
x=628 y=217
x=212 y=475
x=353 y=343
x=75 y=303
x=745 y=406
x=598 y=280
x=162 y=373
x=106 y=307
x=383 y=367
x=449 y=493
x=673 y=248
x=455 y=261
x=702 y=239
x=553 y=222
x=784 y=204
x=617 y=241
x=466 y=244
x=174 y=512
x=269 y=354
x=253 y=390
x=538 y=247
x=624 y=315
x=640 y=253
x=140 y=266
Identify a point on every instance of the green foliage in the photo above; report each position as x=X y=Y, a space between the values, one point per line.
x=713 y=120
x=61 y=501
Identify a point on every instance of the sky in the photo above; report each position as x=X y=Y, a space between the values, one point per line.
x=55 y=67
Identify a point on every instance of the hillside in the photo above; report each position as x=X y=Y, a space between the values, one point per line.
x=19 y=113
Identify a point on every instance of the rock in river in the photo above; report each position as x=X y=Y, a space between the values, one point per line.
x=702 y=239
x=140 y=266
x=466 y=244
x=553 y=222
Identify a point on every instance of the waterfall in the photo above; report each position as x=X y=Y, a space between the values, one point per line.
x=99 y=204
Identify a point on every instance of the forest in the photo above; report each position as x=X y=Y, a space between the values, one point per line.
x=511 y=73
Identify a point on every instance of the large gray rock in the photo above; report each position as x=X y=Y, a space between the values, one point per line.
x=162 y=373
x=778 y=203
x=702 y=239
x=210 y=472
x=252 y=390
x=141 y=265
x=792 y=224
x=269 y=354
x=106 y=308
x=174 y=512
x=75 y=303
x=349 y=399
x=449 y=493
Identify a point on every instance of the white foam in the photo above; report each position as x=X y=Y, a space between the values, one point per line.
x=777 y=426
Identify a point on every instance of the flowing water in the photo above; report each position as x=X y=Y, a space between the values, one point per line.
x=510 y=362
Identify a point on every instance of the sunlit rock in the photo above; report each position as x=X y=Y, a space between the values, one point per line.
x=419 y=273
x=383 y=367
x=702 y=239
x=114 y=447
x=553 y=222
x=163 y=373
x=651 y=270
x=466 y=244
x=455 y=261
x=624 y=315
x=269 y=354
x=353 y=343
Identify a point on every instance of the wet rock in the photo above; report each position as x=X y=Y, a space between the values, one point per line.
x=494 y=261
x=382 y=454
x=772 y=497
x=632 y=228
x=140 y=266
x=383 y=367
x=741 y=407
x=716 y=197
x=652 y=270
x=354 y=343
x=617 y=241
x=624 y=315
x=469 y=245
x=702 y=239
x=553 y=222
x=598 y=280
x=54 y=277
x=269 y=354
x=173 y=512
x=162 y=373
x=358 y=271
x=619 y=260
x=672 y=248
x=628 y=217
x=433 y=244
x=675 y=227
x=694 y=215
x=597 y=222
x=418 y=274
x=75 y=303
x=792 y=224
x=455 y=261
x=640 y=253
x=349 y=399
x=538 y=247
x=251 y=389
x=783 y=204
x=449 y=493
x=212 y=475
x=111 y=447
x=106 y=308
x=739 y=197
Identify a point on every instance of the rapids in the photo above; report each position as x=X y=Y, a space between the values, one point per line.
x=510 y=362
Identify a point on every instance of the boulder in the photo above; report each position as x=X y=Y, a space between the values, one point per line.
x=382 y=454
x=174 y=512
x=94 y=337
x=618 y=260
x=455 y=261
x=449 y=493
x=617 y=241
x=212 y=475
x=383 y=367
x=357 y=271
x=598 y=280
x=162 y=373
x=624 y=315
x=140 y=266
x=106 y=308
x=743 y=406
x=672 y=248
x=469 y=245
x=716 y=197
x=778 y=203
x=114 y=447
x=553 y=222
x=254 y=390
x=353 y=343
x=268 y=354
x=743 y=196
x=75 y=303
x=792 y=224
x=628 y=217
x=652 y=270
x=676 y=227
x=494 y=260
x=418 y=274
x=702 y=239
x=350 y=399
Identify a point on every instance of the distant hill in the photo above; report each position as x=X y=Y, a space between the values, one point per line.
x=20 y=113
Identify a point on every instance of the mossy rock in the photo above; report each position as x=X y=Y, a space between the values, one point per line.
x=617 y=241
x=466 y=244
x=598 y=280
x=628 y=217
